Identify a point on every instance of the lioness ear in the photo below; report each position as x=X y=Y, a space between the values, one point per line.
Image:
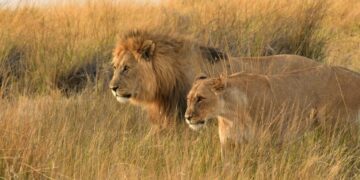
x=200 y=76
x=147 y=49
x=218 y=85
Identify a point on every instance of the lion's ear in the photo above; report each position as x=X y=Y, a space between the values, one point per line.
x=218 y=85
x=147 y=49
x=200 y=76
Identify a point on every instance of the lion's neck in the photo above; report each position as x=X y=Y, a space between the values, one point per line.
x=172 y=101
x=235 y=130
x=234 y=119
x=232 y=101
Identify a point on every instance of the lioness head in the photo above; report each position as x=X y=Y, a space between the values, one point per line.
x=133 y=78
x=203 y=101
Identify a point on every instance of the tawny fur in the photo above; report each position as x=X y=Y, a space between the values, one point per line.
x=242 y=101
x=165 y=77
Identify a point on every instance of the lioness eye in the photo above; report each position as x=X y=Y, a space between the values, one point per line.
x=125 y=69
x=114 y=67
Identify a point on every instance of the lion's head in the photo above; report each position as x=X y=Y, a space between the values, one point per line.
x=133 y=72
x=203 y=101
x=140 y=70
x=150 y=70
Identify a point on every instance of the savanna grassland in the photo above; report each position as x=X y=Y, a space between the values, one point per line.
x=58 y=120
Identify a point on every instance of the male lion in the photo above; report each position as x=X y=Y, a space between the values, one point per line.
x=156 y=71
x=242 y=102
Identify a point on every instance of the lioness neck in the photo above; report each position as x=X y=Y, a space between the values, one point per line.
x=234 y=120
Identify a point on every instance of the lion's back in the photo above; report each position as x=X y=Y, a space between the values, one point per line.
x=276 y=64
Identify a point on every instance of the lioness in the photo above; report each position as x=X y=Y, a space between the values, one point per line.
x=156 y=71
x=240 y=100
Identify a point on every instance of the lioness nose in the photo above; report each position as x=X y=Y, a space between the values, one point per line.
x=188 y=116
x=114 y=88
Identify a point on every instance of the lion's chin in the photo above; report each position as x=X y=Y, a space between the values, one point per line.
x=196 y=126
x=122 y=99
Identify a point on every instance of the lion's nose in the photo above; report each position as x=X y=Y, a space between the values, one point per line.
x=188 y=116
x=114 y=88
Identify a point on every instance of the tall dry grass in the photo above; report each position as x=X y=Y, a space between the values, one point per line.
x=44 y=134
x=92 y=137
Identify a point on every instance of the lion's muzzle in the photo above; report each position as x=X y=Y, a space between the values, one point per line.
x=194 y=124
x=113 y=88
x=190 y=120
x=121 y=97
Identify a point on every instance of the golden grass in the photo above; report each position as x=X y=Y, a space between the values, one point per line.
x=90 y=136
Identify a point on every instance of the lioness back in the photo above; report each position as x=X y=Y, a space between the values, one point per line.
x=331 y=91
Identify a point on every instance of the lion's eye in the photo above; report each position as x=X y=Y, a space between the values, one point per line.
x=114 y=67
x=199 y=99
x=125 y=69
